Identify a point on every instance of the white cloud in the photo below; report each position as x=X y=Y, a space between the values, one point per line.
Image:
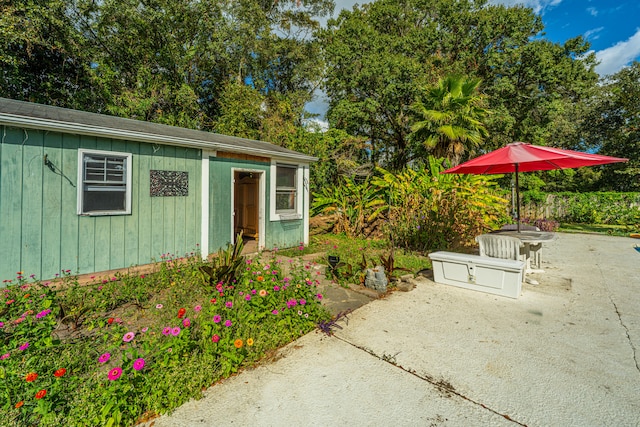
x=613 y=58
x=593 y=11
x=593 y=34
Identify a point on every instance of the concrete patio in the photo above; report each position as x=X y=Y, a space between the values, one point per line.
x=566 y=353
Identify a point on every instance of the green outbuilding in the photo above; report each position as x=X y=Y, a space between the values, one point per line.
x=86 y=193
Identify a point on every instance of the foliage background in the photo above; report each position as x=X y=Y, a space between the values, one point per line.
x=249 y=67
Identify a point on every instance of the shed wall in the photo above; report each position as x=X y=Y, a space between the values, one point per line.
x=280 y=234
x=40 y=230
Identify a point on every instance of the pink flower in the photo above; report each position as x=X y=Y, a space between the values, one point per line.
x=143 y=330
x=247 y=297
x=215 y=338
x=175 y=331
x=217 y=318
x=229 y=304
x=43 y=313
x=274 y=311
x=186 y=322
x=197 y=308
x=276 y=288
x=319 y=296
x=166 y=331
x=159 y=306
x=4 y=356
x=303 y=302
x=138 y=364
x=24 y=346
x=128 y=336
x=115 y=373
x=227 y=323
x=104 y=358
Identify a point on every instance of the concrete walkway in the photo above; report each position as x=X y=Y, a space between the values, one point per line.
x=566 y=353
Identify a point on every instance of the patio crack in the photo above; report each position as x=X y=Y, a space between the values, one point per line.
x=626 y=329
x=441 y=385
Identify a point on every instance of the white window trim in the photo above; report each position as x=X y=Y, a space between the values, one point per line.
x=80 y=185
x=293 y=215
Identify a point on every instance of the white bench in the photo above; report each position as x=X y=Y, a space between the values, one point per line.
x=491 y=275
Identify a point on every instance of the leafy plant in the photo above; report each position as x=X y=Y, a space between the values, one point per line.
x=428 y=210
x=356 y=206
x=389 y=264
x=226 y=264
x=328 y=326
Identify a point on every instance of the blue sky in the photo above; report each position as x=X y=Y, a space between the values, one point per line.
x=612 y=27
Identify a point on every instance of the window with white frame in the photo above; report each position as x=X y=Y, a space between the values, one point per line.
x=286 y=191
x=104 y=183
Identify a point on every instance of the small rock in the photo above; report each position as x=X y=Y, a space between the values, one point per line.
x=376 y=279
x=406 y=286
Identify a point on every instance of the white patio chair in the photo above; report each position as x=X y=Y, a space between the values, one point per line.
x=505 y=247
x=534 y=250
x=497 y=246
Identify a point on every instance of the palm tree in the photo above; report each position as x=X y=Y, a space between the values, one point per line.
x=450 y=118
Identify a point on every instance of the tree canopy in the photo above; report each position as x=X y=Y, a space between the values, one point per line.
x=249 y=67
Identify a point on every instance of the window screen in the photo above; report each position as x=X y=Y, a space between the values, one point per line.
x=286 y=191
x=104 y=183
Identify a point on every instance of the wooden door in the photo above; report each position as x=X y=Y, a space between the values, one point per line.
x=246 y=204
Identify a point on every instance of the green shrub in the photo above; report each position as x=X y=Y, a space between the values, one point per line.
x=430 y=211
x=587 y=208
x=418 y=209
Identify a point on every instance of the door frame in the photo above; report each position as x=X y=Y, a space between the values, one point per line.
x=261 y=203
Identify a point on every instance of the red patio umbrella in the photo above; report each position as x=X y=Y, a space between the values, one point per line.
x=522 y=157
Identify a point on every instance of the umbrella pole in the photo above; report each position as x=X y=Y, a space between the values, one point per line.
x=517 y=199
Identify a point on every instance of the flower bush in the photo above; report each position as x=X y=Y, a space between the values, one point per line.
x=112 y=352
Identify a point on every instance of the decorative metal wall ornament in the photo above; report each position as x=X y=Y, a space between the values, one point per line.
x=169 y=183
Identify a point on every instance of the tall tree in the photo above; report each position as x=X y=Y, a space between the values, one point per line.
x=450 y=119
x=613 y=128
x=172 y=62
x=380 y=55
x=42 y=56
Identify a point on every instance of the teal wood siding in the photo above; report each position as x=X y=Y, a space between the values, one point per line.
x=220 y=188
x=278 y=234
x=40 y=230
x=284 y=234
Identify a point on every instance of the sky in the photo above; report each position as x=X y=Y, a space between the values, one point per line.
x=612 y=27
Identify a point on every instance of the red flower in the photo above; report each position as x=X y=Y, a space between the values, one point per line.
x=110 y=320
x=42 y=393
x=19 y=404
x=60 y=372
x=31 y=376
x=181 y=313
x=212 y=300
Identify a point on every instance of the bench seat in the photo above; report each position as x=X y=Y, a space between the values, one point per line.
x=479 y=273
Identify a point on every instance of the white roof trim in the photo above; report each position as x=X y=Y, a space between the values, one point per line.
x=58 y=126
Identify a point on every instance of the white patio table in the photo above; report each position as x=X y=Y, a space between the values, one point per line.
x=532 y=241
